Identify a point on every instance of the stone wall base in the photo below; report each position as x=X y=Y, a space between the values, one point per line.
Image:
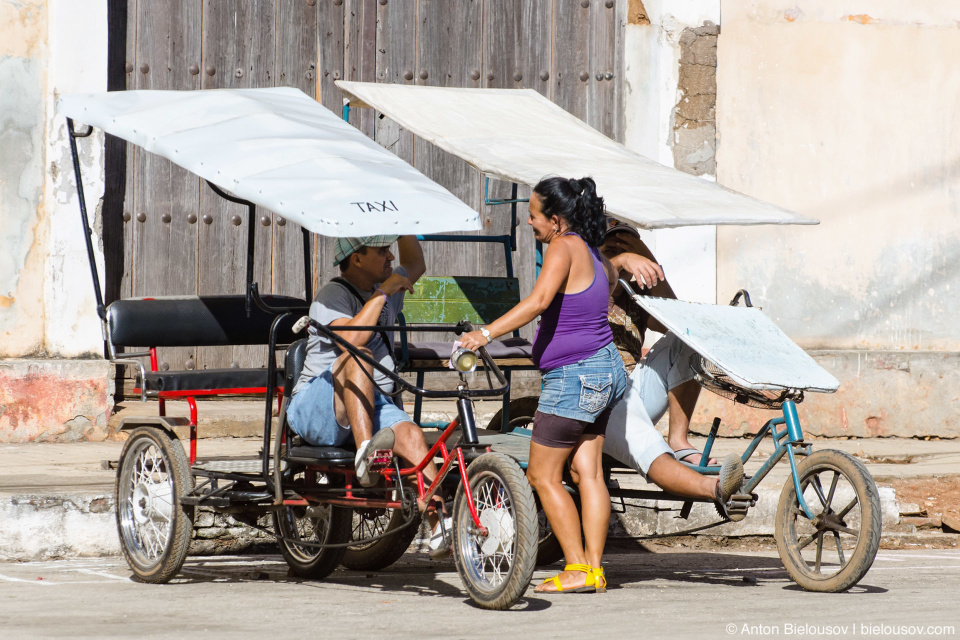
x=882 y=394
x=55 y=400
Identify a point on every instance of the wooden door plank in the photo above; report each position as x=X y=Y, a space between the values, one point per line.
x=396 y=62
x=619 y=70
x=449 y=49
x=298 y=54
x=129 y=197
x=360 y=54
x=571 y=64
x=165 y=240
x=517 y=42
x=602 y=43
x=239 y=48
x=330 y=34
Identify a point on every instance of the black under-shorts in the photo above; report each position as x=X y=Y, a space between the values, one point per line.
x=564 y=433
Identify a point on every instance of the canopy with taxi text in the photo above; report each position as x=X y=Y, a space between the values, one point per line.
x=284 y=151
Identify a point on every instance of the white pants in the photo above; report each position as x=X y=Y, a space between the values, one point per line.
x=632 y=438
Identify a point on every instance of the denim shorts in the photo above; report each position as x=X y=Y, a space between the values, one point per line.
x=582 y=390
x=312 y=415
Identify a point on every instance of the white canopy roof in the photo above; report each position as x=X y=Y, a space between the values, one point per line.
x=519 y=136
x=282 y=150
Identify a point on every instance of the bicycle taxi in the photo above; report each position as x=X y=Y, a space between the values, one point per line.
x=279 y=149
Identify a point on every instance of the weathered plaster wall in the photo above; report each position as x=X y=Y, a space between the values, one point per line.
x=23 y=51
x=853 y=119
x=848 y=112
x=78 y=63
x=653 y=51
x=47 y=312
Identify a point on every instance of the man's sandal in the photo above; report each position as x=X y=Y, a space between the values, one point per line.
x=594 y=581
x=728 y=483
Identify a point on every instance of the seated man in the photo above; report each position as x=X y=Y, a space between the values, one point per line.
x=338 y=398
x=663 y=378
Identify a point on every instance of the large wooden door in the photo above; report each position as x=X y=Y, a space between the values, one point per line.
x=180 y=238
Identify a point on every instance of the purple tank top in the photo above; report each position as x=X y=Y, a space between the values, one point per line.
x=574 y=326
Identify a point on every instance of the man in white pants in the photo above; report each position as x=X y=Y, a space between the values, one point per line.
x=662 y=379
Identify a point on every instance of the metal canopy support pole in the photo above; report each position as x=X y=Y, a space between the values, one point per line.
x=88 y=233
x=251 y=245
x=251 y=238
x=307 y=265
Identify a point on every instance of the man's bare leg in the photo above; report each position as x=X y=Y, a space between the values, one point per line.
x=680 y=479
x=353 y=396
x=681 y=401
x=354 y=406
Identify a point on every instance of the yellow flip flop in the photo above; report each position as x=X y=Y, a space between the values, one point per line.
x=589 y=585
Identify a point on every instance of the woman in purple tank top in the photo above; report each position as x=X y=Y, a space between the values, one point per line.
x=583 y=375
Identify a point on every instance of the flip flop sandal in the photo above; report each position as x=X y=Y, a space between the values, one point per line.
x=731 y=479
x=589 y=586
x=681 y=454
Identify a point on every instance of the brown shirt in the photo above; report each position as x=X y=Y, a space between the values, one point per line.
x=628 y=322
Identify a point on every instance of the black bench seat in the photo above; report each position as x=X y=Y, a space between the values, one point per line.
x=231 y=381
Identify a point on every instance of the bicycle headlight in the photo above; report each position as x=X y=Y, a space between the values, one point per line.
x=464 y=360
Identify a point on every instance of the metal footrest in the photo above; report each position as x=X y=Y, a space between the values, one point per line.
x=247 y=465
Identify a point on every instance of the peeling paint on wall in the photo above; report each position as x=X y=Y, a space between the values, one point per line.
x=637 y=13
x=23 y=28
x=694 y=129
x=53 y=400
x=22 y=122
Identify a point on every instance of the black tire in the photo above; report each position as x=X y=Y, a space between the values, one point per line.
x=323 y=524
x=154 y=528
x=846 y=525
x=379 y=554
x=522 y=411
x=496 y=569
x=521 y=414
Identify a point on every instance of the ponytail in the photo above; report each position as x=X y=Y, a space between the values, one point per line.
x=577 y=203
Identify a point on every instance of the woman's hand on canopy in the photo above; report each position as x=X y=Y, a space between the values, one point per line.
x=473 y=340
x=647 y=272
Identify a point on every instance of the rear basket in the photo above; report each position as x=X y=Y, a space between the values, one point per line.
x=711 y=377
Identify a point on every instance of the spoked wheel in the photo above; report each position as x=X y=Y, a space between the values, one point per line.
x=522 y=411
x=379 y=554
x=317 y=524
x=496 y=568
x=154 y=528
x=521 y=414
x=832 y=552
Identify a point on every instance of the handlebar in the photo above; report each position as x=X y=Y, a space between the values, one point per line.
x=330 y=332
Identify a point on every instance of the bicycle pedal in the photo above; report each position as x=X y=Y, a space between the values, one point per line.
x=380 y=459
x=747 y=499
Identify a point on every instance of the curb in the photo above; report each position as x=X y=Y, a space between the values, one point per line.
x=82 y=524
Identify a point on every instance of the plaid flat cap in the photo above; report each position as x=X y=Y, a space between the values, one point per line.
x=345 y=246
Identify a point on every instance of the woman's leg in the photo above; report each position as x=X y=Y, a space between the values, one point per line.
x=594 y=496
x=545 y=473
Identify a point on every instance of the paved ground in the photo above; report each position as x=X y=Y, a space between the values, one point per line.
x=655 y=593
x=56 y=500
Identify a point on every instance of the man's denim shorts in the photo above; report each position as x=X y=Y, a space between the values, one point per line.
x=582 y=390
x=311 y=414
